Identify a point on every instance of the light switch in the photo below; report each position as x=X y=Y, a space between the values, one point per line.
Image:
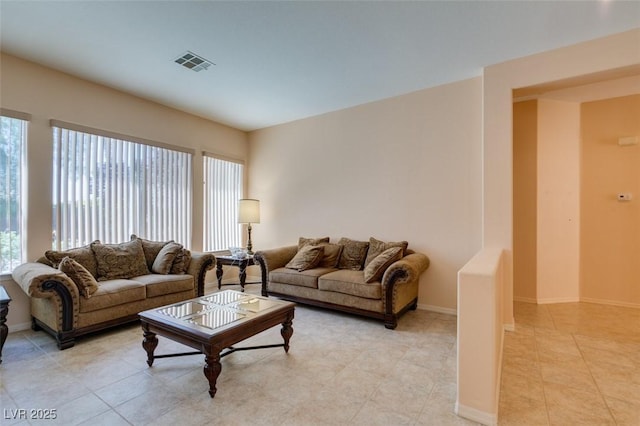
x=624 y=196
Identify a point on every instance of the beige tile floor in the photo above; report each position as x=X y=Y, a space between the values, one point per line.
x=341 y=369
x=571 y=363
x=564 y=364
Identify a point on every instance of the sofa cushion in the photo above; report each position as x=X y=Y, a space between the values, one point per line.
x=376 y=247
x=330 y=256
x=375 y=269
x=353 y=254
x=125 y=260
x=165 y=258
x=350 y=282
x=112 y=293
x=306 y=258
x=83 y=255
x=86 y=283
x=308 y=278
x=158 y=285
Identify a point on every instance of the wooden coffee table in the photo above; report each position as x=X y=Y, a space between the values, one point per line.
x=213 y=323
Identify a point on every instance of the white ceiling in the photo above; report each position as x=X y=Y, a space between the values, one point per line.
x=281 y=61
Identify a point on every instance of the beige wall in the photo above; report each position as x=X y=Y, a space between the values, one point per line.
x=525 y=209
x=558 y=201
x=546 y=201
x=610 y=232
x=45 y=94
x=405 y=168
x=612 y=52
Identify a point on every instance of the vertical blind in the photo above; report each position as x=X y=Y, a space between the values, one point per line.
x=223 y=187
x=107 y=188
x=13 y=133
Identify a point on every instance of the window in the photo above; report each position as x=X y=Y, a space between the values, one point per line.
x=13 y=133
x=108 y=186
x=223 y=187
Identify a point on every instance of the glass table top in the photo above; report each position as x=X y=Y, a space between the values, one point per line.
x=217 y=309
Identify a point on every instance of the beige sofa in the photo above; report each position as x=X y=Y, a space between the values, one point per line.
x=110 y=287
x=358 y=280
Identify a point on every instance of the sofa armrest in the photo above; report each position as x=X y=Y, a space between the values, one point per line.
x=198 y=267
x=405 y=270
x=43 y=281
x=396 y=277
x=272 y=259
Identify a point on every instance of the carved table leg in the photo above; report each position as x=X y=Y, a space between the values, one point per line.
x=287 y=331
x=149 y=344
x=219 y=274
x=243 y=273
x=4 y=310
x=212 y=368
x=4 y=330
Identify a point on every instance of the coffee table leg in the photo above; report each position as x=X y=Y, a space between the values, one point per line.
x=212 y=368
x=149 y=344
x=287 y=331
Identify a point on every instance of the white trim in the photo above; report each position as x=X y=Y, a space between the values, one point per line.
x=476 y=415
x=558 y=300
x=610 y=302
x=19 y=327
x=525 y=299
x=438 y=309
x=509 y=327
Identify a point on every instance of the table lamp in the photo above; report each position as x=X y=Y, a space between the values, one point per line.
x=249 y=212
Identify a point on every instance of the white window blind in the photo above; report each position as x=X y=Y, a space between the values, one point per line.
x=223 y=187
x=13 y=133
x=107 y=188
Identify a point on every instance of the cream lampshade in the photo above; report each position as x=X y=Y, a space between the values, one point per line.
x=249 y=212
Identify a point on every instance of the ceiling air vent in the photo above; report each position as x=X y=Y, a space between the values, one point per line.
x=193 y=62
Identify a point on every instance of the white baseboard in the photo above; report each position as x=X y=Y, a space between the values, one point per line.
x=610 y=302
x=558 y=300
x=19 y=327
x=509 y=326
x=524 y=299
x=482 y=417
x=438 y=309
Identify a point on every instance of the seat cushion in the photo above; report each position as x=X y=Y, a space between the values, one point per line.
x=308 y=278
x=350 y=282
x=113 y=293
x=159 y=285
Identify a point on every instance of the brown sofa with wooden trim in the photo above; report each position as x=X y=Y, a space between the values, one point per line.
x=98 y=286
x=375 y=279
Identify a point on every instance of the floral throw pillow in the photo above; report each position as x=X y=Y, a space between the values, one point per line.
x=353 y=254
x=124 y=260
x=306 y=258
x=86 y=283
x=375 y=269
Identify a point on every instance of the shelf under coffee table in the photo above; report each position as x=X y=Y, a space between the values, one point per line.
x=210 y=324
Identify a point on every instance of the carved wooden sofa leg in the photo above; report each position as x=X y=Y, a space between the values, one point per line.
x=65 y=340
x=390 y=321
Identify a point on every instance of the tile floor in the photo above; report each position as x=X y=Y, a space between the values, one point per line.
x=571 y=363
x=341 y=369
x=564 y=364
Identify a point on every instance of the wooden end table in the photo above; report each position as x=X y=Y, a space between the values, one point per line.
x=242 y=264
x=213 y=323
x=4 y=310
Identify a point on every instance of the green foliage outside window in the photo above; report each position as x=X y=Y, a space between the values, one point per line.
x=11 y=151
